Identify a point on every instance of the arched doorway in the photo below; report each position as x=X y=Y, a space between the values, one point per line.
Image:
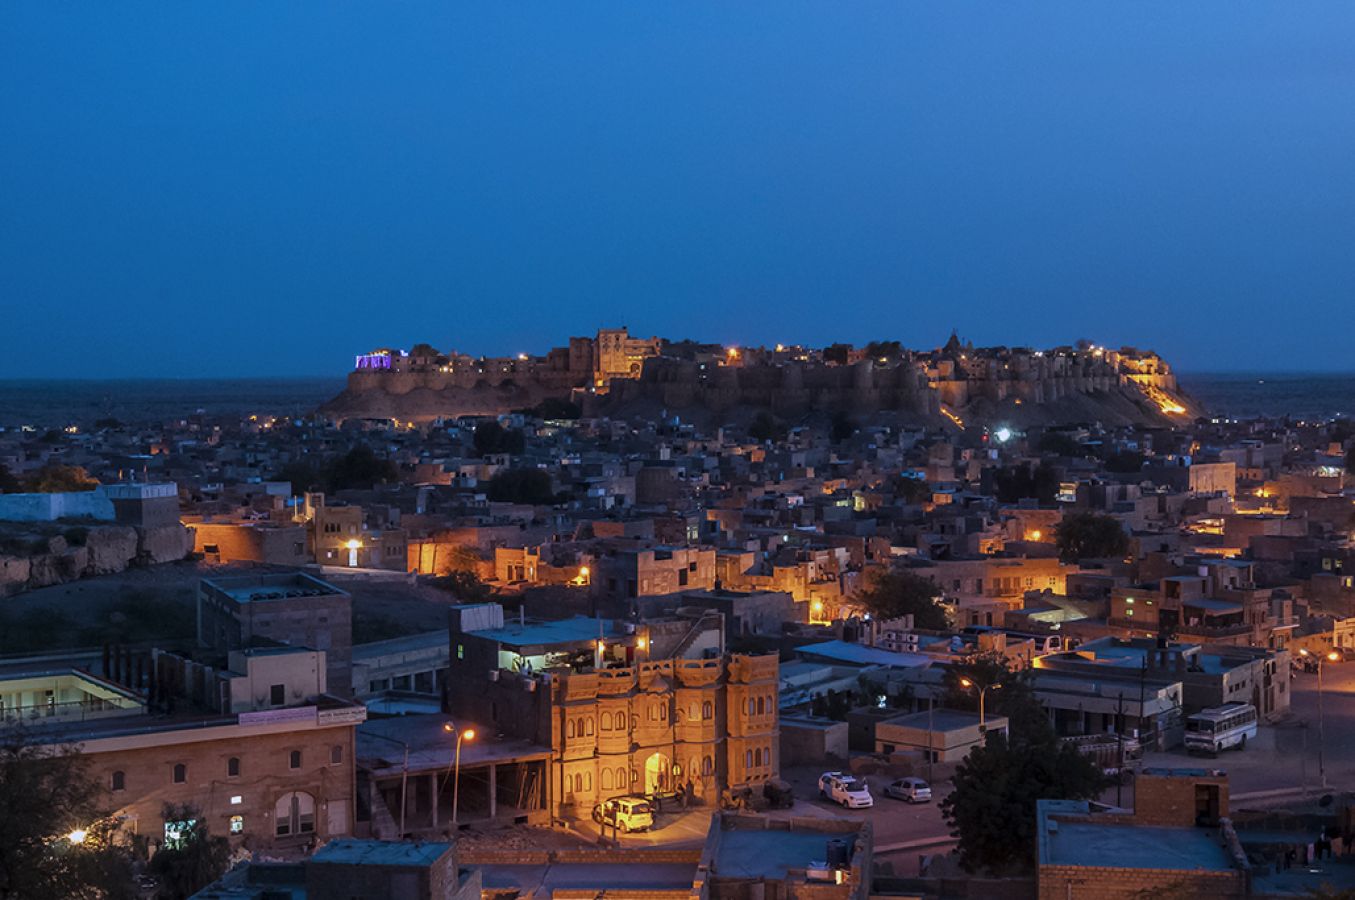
x=658 y=773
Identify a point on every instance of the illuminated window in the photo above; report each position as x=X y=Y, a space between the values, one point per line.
x=294 y=814
x=177 y=832
x=1129 y=600
x=1128 y=612
x=236 y=800
x=237 y=824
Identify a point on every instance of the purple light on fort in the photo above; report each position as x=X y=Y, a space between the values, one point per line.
x=372 y=361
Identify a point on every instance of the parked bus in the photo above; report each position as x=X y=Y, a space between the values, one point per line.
x=1044 y=643
x=1229 y=725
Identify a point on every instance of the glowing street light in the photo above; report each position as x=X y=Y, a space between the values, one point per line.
x=77 y=836
x=466 y=735
x=983 y=691
x=1332 y=656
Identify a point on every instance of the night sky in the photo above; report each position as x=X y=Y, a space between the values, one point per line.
x=253 y=189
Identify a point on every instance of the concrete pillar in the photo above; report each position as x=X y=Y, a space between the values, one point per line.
x=433 y=790
x=493 y=790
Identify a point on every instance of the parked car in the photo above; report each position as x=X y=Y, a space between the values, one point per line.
x=910 y=790
x=625 y=813
x=845 y=790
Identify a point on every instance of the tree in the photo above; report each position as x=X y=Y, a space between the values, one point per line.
x=1125 y=462
x=524 y=486
x=302 y=474
x=842 y=427
x=766 y=427
x=884 y=350
x=1350 y=460
x=462 y=584
x=1090 y=535
x=1059 y=444
x=192 y=858
x=910 y=490
x=904 y=593
x=556 y=408
x=8 y=483
x=491 y=437
x=1015 y=483
x=47 y=799
x=56 y=479
x=359 y=468
x=992 y=807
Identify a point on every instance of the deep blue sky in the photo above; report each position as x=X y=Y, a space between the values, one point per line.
x=253 y=189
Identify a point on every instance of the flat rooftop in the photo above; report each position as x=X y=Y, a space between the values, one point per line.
x=276 y=586
x=544 y=634
x=861 y=655
x=942 y=720
x=544 y=880
x=1080 y=840
x=410 y=642
x=770 y=853
x=381 y=853
x=380 y=745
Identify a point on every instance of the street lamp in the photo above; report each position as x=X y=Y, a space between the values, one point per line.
x=77 y=836
x=467 y=735
x=983 y=691
x=1332 y=656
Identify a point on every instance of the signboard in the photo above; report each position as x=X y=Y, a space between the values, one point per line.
x=348 y=715
x=293 y=715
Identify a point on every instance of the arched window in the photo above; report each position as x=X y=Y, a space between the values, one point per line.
x=588 y=781
x=748 y=759
x=180 y=773
x=578 y=783
x=606 y=721
x=233 y=767
x=294 y=759
x=119 y=781
x=294 y=814
x=589 y=722
x=663 y=712
x=760 y=708
x=569 y=728
x=621 y=721
x=707 y=710
x=607 y=780
x=707 y=765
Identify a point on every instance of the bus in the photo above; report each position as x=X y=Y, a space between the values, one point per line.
x=1044 y=643
x=1212 y=730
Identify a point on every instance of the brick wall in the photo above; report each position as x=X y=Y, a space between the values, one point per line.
x=1098 y=882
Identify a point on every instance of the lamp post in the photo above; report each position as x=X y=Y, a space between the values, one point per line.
x=468 y=734
x=404 y=776
x=1333 y=656
x=983 y=691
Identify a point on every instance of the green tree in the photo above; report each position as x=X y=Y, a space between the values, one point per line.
x=47 y=797
x=56 y=479
x=359 y=468
x=462 y=584
x=992 y=807
x=1059 y=443
x=1090 y=535
x=194 y=857
x=902 y=593
x=910 y=490
x=523 y=486
x=766 y=427
x=302 y=474
x=491 y=437
x=1015 y=483
x=841 y=428
x=8 y=483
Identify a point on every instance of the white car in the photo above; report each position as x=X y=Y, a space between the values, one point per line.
x=845 y=790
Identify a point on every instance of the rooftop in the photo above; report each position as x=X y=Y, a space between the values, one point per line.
x=381 y=853
x=861 y=655
x=381 y=742
x=562 y=631
x=276 y=586
x=1078 y=841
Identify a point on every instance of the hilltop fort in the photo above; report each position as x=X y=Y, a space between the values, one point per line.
x=615 y=373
